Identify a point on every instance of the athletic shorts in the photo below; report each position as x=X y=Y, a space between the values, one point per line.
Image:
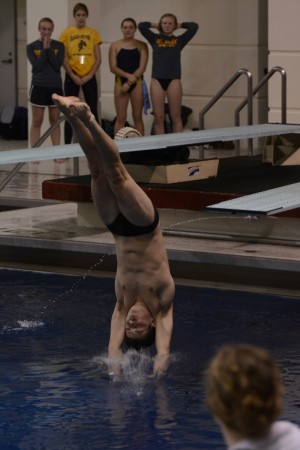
x=42 y=95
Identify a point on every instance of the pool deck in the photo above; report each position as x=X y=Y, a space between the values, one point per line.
x=247 y=253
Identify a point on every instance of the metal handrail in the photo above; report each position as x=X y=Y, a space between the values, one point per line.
x=221 y=92
x=257 y=88
x=48 y=132
x=42 y=139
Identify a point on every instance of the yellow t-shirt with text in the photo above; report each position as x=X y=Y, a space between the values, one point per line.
x=79 y=43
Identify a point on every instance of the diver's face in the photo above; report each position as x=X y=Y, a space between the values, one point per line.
x=138 y=322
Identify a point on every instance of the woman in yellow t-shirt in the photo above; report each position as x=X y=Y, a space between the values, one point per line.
x=82 y=60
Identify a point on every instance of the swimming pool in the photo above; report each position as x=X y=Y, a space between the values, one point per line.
x=55 y=393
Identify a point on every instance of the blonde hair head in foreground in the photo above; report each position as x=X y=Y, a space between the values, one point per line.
x=244 y=389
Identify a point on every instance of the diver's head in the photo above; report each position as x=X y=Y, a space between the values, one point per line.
x=140 y=327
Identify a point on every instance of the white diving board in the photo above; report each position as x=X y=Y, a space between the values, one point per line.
x=272 y=201
x=155 y=142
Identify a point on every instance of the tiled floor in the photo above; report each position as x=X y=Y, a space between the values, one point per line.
x=211 y=249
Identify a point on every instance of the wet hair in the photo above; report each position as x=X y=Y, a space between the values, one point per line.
x=46 y=19
x=80 y=7
x=167 y=15
x=244 y=389
x=129 y=19
x=138 y=344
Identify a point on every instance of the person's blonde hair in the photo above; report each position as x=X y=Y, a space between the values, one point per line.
x=244 y=389
x=167 y=15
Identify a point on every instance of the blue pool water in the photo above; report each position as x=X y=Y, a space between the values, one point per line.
x=54 y=391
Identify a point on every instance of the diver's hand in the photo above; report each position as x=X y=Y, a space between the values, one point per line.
x=161 y=363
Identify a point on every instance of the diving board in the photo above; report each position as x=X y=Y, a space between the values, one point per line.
x=155 y=142
x=270 y=202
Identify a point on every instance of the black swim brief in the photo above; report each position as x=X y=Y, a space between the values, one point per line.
x=122 y=227
x=165 y=82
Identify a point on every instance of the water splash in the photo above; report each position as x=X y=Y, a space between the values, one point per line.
x=200 y=219
x=75 y=285
x=38 y=319
x=136 y=368
x=22 y=325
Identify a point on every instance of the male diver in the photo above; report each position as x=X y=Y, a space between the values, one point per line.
x=144 y=286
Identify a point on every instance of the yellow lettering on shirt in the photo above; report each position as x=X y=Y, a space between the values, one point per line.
x=80 y=36
x=166 y=43
x=39 y=52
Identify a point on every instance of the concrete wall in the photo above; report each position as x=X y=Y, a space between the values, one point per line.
x=232 y=35
x=284 y=42
x=21 y=53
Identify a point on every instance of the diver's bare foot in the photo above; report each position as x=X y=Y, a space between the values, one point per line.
x=83 y=112
x=72 y=107
x=65 y=104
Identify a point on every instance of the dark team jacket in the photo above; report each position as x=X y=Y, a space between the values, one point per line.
x=46 y=63
x=167 y=49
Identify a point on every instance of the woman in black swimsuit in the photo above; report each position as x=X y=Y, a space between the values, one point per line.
x=166 y=67
x=128 y=59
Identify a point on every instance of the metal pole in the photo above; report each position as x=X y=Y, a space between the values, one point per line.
x=219 y=94
x=42 y=139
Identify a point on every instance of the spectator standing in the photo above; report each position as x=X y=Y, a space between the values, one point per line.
x=166 y=67
x=46 y=56
x=82 y=60
x=128 y=59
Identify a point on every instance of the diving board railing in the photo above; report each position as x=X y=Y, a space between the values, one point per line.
x=264 y=80
x=247 y=101
x=221 y=92
x=41 y=140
